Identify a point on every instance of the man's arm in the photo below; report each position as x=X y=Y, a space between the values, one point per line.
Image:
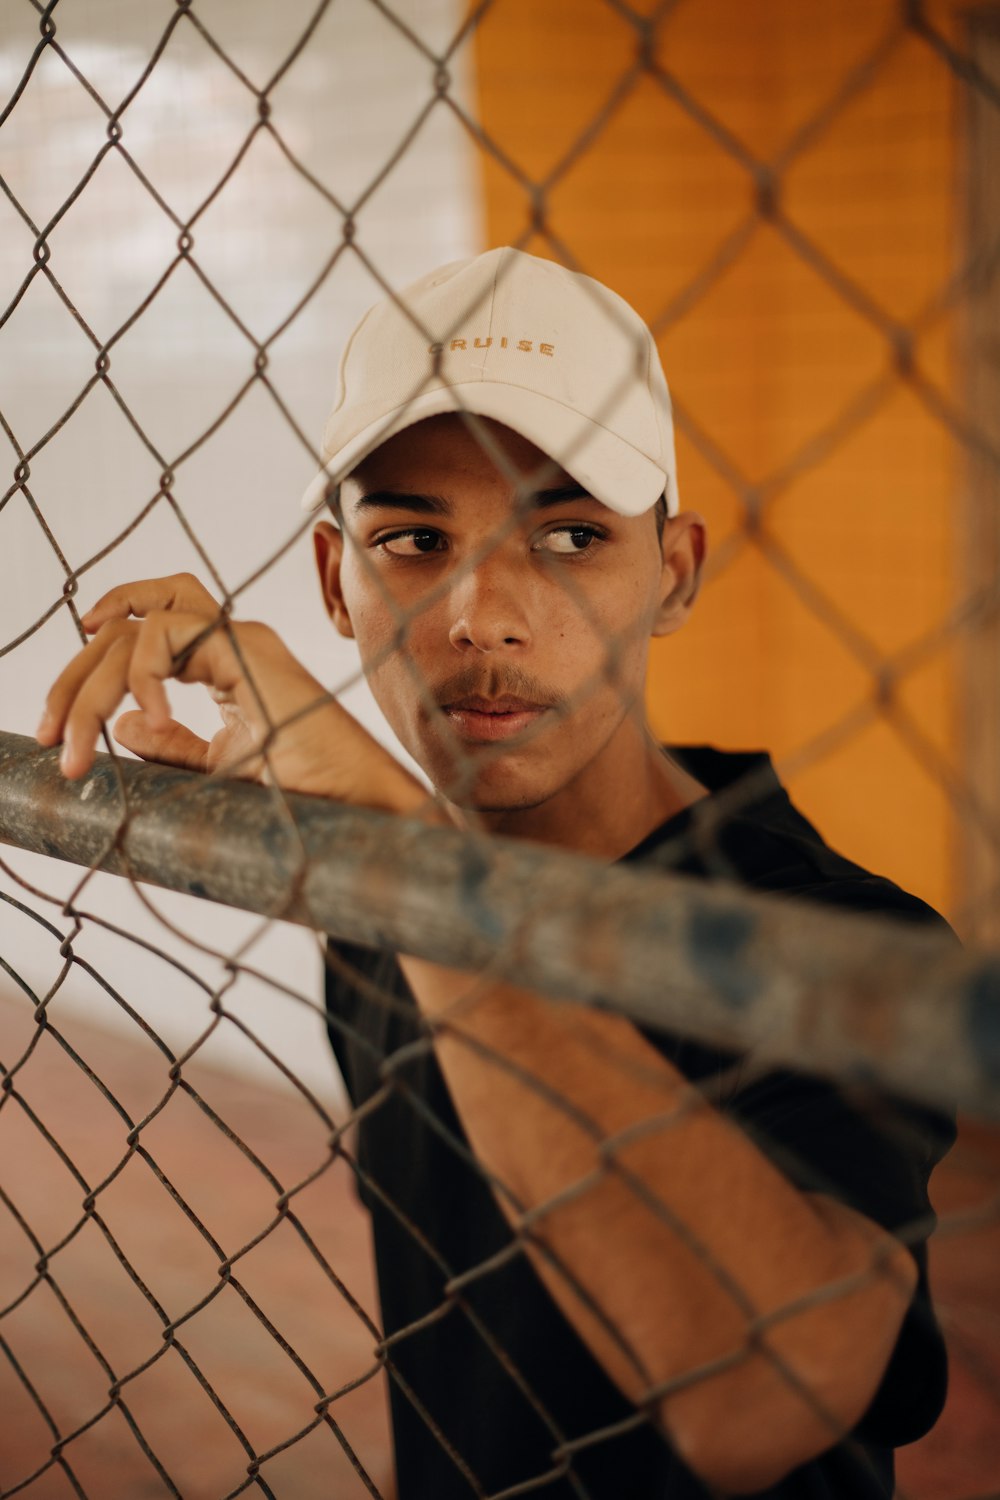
x=676 y=1235
x=674 y=1225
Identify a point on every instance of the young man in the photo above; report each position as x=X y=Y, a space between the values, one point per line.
x=596 y=1279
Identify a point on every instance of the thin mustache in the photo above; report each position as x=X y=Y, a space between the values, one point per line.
x=498 y=682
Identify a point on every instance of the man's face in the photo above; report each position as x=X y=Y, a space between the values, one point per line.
x=504 y=634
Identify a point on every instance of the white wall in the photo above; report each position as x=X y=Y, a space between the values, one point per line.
x=343 y=107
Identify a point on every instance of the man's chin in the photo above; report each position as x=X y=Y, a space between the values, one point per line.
x=486 y=808
x=491 y=795
x=488 y=780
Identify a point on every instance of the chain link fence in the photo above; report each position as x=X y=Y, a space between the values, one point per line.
x=189 y=1305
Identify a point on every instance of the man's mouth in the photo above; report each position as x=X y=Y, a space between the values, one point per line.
x=487 y=719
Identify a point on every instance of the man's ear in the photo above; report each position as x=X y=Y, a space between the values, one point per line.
x=328 y=544
x=683 y=551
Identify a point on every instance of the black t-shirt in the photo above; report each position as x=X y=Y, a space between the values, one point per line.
x=489 y=1380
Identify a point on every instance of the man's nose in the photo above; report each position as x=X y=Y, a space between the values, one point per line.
x=489 y=608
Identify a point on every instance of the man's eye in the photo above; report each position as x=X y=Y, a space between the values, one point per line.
x=565 y=540
x=412 y=543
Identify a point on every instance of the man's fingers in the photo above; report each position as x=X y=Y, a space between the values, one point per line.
x=174 y=745
x=63 y=693
x=179 y=591
x=139 y=656
x=106 y=621
x=161 y=635
x=125 y=656
x=96 y=700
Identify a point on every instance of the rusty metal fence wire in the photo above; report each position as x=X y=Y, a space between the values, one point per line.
x=90 y=1354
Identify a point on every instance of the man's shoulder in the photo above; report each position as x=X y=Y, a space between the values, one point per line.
x=749 y=830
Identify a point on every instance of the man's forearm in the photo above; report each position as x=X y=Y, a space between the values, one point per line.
x=649 y=1206
x=703 y=1281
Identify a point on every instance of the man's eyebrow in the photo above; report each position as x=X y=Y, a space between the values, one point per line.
x=436 y=505
x=560 y=493
x=420 y=505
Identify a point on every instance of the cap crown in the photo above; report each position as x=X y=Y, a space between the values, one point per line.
x=552 y=353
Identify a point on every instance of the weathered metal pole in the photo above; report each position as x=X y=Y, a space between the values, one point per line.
x=830 y=993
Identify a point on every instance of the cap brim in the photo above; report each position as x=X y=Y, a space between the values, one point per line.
x=608 y=468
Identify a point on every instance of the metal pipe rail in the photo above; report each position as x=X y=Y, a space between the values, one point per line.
x=863 y=999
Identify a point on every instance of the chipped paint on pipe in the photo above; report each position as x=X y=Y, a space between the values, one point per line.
x=849 y=996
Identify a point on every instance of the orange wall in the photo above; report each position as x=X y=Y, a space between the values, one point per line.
x=855 y=557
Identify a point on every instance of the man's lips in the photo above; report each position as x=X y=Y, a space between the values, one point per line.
x=508 y=704
x=476 y=718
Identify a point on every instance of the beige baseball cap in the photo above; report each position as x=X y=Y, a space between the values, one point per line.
x=553 y=354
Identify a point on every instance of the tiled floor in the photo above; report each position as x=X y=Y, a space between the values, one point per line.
x=231 y=1349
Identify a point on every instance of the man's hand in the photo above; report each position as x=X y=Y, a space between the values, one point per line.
x=275 y=714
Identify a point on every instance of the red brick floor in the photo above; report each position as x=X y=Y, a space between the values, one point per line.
x=264 y=1392
x=960 y=1459
x=231 y=1348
